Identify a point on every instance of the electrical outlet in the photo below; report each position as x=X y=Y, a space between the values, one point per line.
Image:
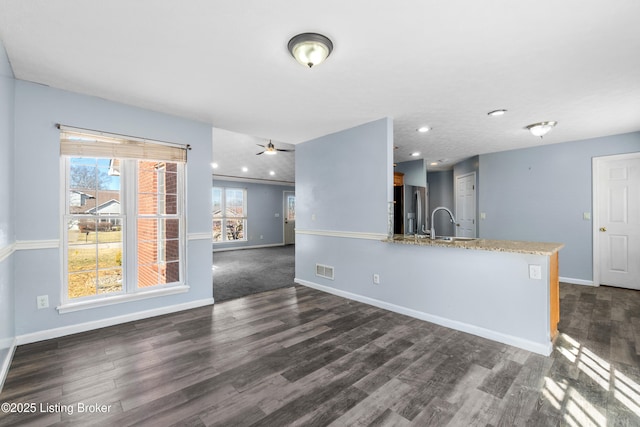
x=376 y=279
x=535 y=272
x=42 y=301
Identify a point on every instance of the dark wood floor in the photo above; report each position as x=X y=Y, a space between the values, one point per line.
x=297 y=356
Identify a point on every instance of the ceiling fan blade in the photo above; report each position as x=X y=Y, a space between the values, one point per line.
x=257 y=154
x=260 y=145
x=280 y=149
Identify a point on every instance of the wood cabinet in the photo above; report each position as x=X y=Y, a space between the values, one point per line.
x=554 y=294
x=398 y=179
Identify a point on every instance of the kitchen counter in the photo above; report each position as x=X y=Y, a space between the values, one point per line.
x=522 y=247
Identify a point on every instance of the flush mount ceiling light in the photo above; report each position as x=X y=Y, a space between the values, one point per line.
x=310 y=49
x=424 y=129
x=415 y=154
x=496 y=113
x=542 y=128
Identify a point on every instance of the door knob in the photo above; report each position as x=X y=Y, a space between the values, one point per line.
x=603 y=229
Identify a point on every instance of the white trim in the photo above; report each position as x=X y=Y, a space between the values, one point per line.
x=200 y=236
x=103 y=323
x=237 y=248
x=70 y=307
x=346 y=234
x=6 y=363
x=37 y=244
x=577 y=281
x=7 y=251
x=253 y=180
x=536 y=347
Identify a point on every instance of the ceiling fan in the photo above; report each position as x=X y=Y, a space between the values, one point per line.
x=270 y=149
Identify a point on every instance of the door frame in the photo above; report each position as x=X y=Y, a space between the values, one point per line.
x=595 y=218
x=475 y=201
x=284 y=214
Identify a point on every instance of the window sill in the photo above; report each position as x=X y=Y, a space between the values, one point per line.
x=118 y=299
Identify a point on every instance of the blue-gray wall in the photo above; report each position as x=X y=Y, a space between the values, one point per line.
x=415 y=172
x=264 y=201
x=340 y=188
x=37 y=201
x=541 y=194
x=7 y=217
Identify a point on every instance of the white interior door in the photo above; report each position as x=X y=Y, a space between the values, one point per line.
x=289 y=218
x=466 y=205
x=617 y=222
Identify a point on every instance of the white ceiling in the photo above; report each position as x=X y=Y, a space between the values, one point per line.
x=439 y=63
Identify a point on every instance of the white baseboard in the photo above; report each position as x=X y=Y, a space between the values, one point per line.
x=237 y=248
x=577 y=281
x=540 y=348
x=103 y=323
x=6 y=363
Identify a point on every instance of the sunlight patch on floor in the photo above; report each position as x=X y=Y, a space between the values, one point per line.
x=579 y=411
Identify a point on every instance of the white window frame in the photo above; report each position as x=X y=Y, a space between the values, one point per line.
x=224 y=217
x=129 y=214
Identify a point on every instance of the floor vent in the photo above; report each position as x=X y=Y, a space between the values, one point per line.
x=325 y=271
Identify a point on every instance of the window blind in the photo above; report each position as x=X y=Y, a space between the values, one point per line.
x=86 y=143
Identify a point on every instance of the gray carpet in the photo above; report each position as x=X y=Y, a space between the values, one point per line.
x=250 y=271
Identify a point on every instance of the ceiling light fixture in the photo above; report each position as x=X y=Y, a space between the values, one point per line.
x=424 y=129
x=245 y=169
x=542 y=128
x=310 y=49
x=497 y=113
x=214 y=165
x=270 y=149
x=416 y=154
x=272 y=173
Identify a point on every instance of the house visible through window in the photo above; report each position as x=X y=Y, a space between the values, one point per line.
x=123 y=219
x=229 y=214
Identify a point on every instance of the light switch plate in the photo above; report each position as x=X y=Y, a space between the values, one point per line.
x=586 y=216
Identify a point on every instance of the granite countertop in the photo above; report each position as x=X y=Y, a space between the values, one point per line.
x=535 y=248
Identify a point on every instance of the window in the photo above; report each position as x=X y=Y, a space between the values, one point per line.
x=123 y=215
x=229 y=214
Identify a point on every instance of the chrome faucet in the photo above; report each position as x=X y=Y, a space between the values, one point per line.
x=433 y=214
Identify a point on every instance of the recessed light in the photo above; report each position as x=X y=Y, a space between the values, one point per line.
x=424 y=129
x=433 y=164
x=245 y=169
x=214 y=165
x=272 y=173
x=496 y=112
x=415 y=154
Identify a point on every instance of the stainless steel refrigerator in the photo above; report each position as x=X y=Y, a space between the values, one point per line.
x=411 y=210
